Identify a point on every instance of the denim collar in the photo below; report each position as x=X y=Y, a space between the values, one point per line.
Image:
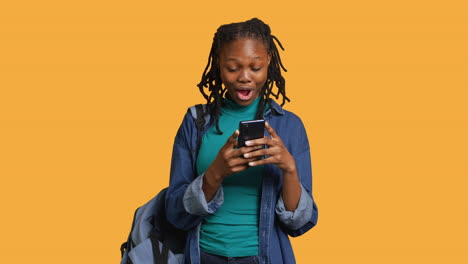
x=277 y=109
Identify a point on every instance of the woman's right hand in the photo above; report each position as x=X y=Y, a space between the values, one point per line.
x=228 y=161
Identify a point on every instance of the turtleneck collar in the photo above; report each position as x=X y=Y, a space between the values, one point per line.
x=232 y=108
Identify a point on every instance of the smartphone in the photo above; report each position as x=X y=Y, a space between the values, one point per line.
x=249 y=130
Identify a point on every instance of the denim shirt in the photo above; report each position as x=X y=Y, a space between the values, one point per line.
x=186 y=204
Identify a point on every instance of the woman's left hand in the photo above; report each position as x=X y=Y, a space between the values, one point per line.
x=278 y=154
x=276 y=151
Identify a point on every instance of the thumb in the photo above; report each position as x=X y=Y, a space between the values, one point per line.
x=232 y=140
x=270 y=130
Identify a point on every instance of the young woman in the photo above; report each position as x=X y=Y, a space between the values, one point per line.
x=240 y=204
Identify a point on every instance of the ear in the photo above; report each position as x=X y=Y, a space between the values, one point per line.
x=269 y=58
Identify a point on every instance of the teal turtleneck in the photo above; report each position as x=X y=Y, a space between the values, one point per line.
x=232 y=231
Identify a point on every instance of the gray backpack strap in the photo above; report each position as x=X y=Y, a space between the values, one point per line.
x=200 y=110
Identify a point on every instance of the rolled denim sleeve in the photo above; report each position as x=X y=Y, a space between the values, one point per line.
x=195 y=202
x=302 y=214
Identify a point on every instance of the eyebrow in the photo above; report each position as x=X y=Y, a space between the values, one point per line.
x=233 y=59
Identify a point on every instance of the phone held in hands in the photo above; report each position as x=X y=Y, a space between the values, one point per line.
x=249 y=130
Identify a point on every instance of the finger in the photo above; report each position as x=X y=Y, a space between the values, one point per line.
x=244 y=150
x=239 y=152
x=239 y=162
x=260 y=141
x=240 y=168
x=271 y=131
x=261 y=153
x=262 y=161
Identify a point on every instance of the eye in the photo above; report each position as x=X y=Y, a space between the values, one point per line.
x=256 y=69
x=231 y=69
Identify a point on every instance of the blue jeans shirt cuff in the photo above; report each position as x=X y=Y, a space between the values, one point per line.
x=302 y=214
x=195 y=202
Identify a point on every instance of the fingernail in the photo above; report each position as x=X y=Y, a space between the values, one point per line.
x=266 y=123
x=251 y=163
x=248 y=143
x=246 y=155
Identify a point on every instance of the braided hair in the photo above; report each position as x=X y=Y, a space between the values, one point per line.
x=211 y=77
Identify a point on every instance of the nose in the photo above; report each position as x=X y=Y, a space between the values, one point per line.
x=244 y=76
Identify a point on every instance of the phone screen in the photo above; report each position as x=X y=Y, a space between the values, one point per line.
x=249 y=130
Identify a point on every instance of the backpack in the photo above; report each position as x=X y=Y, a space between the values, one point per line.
x=152 y=239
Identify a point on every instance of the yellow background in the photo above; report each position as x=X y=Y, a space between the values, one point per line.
x=92 y=93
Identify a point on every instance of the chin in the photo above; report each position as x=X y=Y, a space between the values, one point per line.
x=244 y=103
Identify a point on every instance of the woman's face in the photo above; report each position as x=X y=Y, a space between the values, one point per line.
x=244 y=69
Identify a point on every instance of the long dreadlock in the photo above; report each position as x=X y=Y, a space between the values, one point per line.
x=211 y=78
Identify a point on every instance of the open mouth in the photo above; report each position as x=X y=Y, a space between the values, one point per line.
x=244 y=94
